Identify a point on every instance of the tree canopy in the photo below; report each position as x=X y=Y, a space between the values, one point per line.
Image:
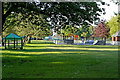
x=114 y=24
x=37 y=19
x=70 y=13
x=102 y=30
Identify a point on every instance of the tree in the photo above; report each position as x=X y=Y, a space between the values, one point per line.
x=84 y=29
x=84 y=34
x=58 y=12
x=78 y=13
x=102 y=30
x=35 y=27
x=116 y=2
x=91 y=30
x=69 y=29
x=114 y=24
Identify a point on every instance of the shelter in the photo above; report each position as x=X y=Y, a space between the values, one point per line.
x=116 y=38
x=13 y=41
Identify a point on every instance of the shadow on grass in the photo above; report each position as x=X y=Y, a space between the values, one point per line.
x=39 y=54
x=97 y=46
x=47 y=46
x=41 y=43
x=101 y=47
x=58 y=50
x=64 y=55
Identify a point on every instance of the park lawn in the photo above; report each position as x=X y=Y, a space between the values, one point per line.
x=47 y=60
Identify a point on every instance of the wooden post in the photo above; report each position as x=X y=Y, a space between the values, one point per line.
x=8 y=43
x=21 y=43
x=116 y=38
x=17 y=43
x=5 y=43
x=113 y=38
x=14 y=43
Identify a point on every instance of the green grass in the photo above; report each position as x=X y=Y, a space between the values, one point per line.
x=47 y=60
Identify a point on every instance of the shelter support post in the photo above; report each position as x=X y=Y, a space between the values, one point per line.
x=14 y=43
x=113 y=38
x=17 y=43
x=21 y=43
x=8 y=43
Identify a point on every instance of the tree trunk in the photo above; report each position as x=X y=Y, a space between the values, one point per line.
x=105 y=40
x=93 y=38
x=102 y=38
x=25 y=40
x=85 y=39
x=29 y=39
x=1 y=16
x=2 y=42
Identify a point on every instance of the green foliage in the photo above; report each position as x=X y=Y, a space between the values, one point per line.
x=91 y=30
x=34 y=27
x=84 y=34
x=69 y=13
x=24 y=18
x=114 y=24
x=84 y=31
x=70 y=29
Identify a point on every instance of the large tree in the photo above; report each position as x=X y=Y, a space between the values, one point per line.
x=102 y=30
x=35 y=27
x=114 y=24
x=70 y=13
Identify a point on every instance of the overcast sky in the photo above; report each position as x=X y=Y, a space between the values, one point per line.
x=109 y=10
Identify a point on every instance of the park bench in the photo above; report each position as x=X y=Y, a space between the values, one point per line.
x=67 y=41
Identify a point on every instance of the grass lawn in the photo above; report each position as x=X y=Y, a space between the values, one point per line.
x=47 y=60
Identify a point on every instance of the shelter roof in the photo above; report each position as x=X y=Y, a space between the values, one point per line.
x=12 y=36
x=116 y=34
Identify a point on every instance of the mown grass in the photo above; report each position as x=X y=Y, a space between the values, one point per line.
x=42 y=59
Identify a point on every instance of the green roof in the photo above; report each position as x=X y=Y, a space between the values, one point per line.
x=11 y=36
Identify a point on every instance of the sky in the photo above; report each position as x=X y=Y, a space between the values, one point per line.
x=109 y=10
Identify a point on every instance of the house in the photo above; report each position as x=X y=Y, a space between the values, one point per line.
x=116 y=38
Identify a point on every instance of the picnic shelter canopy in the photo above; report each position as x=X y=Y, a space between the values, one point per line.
x=12 y=36
x=17 y=41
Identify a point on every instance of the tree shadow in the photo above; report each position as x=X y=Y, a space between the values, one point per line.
x=103 y=47
x=47 y=46
x=57 y=50
x=42 y=43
